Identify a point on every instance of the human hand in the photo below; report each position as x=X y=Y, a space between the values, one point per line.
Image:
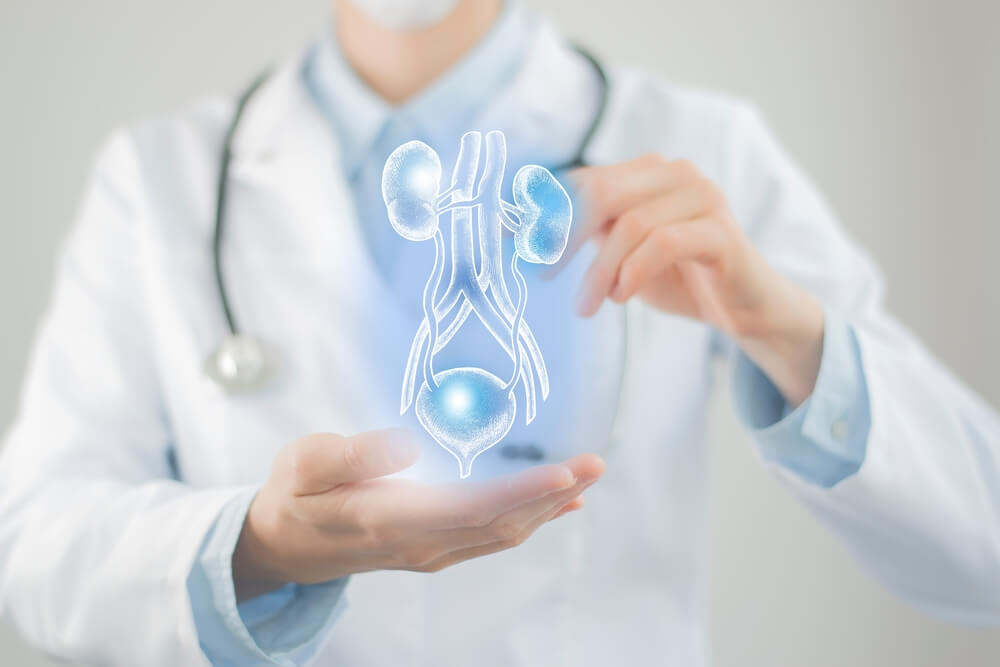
x=327 y=511
x=667 y=235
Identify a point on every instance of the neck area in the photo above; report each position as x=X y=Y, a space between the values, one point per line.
x=397 y=64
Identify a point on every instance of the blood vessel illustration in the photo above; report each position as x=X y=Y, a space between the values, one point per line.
x=467 y=410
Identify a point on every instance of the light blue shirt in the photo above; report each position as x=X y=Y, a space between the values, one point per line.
x=822 y=441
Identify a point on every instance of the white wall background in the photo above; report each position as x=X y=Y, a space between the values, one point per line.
x=892 y=105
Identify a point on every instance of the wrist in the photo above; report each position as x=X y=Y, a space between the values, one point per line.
x=253 y=564
x=788 y=347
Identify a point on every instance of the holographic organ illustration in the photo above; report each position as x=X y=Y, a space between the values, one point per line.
x=468 y=410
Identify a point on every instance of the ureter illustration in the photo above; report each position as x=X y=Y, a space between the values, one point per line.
x=467 y=410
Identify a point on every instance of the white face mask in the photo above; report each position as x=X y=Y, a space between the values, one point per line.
x=406 y=14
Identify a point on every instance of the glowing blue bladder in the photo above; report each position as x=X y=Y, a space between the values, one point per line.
x=468 y=410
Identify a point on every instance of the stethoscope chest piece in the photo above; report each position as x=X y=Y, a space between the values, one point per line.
x=239 y=364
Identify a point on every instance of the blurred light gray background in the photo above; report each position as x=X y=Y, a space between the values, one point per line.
x=892 y=105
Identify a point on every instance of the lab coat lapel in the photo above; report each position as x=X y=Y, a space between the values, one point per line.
x=286 y=146
x=304 y=277
x=542 y=110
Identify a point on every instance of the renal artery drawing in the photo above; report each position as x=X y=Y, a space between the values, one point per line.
x=467 y=410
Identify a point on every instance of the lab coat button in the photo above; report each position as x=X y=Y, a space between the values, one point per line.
x=527 y=451
x=839 y=429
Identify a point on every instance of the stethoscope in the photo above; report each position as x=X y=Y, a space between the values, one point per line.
x=241 y=363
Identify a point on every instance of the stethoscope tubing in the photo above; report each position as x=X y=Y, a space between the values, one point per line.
x=220 y=200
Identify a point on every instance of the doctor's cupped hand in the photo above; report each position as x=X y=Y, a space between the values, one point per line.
x=666 y=235
x=328 y=511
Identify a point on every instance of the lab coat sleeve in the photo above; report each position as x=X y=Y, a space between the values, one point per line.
x=284 y=627
x=922 y=510
x=97 y=536
x=822 y=440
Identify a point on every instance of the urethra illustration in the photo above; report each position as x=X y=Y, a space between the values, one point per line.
x=467 y=410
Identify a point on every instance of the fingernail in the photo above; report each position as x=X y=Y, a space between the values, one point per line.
x=568 y=480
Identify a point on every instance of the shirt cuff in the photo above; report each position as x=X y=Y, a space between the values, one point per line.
x=823 y=440
x=283 y=627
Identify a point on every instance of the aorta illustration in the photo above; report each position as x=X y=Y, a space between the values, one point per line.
x=467 y=410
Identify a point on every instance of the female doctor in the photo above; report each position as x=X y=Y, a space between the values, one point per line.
x=148 y=516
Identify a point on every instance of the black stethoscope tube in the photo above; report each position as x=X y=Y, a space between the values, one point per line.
x=220 y=199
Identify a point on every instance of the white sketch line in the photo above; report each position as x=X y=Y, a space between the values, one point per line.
x=468 y=410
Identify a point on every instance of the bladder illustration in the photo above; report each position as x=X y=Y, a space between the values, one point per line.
x=467 y=410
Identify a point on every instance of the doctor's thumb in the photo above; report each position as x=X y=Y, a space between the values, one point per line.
x=322 y=461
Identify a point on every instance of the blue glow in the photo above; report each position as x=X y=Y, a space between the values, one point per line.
x=468 y=410
x=410 y=182
x=546 y=214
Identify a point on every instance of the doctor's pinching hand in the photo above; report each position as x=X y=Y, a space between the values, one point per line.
x=666 y=234
x=328 y=511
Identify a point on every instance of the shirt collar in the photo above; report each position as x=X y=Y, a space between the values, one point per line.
x=359 y=116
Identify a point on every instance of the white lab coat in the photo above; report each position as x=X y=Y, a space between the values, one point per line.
x=123 y=452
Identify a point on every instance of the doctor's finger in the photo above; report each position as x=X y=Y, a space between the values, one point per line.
x=507 y=526
x=627 y=232
x=476 y=505
x=699 y=240
x=319 y=462
x=417 y=508
x=527 y=491
x=606 y=192
x=397 y=510
x=462 y=555
x=572 y=506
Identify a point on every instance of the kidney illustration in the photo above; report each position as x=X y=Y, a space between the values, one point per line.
x=410 y=183
x=545 y=212
x=467 y=410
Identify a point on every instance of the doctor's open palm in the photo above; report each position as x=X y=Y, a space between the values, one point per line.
x=328 y=511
